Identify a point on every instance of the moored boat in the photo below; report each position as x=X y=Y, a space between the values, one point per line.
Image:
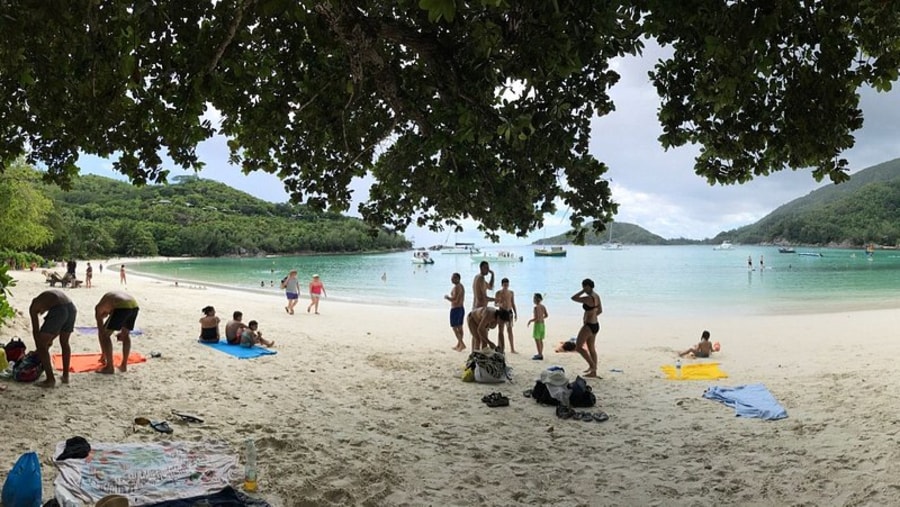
x=422 y=257
x=553 y=251
x=502 y=256
x=460 y=249
x=786 y=249
x=726 y=245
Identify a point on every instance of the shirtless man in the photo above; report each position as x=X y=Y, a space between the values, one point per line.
x=122 y=310
x=60 y=321
x=457 y=310
x=480 y=286
x=234 y=328
x=506 y=300
x=480 y=321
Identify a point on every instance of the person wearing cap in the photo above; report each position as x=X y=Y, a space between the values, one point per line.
x=480 y=320
x=316 y=290
x=585 y=342
x=60 y=321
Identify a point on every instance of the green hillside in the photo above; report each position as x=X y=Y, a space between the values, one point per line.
x=864 y=210
x=622 y=232
x=102 y=217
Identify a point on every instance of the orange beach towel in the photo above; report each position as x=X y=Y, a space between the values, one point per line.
x=91 y=362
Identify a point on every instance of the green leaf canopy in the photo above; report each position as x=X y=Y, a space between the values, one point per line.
x=475 y=109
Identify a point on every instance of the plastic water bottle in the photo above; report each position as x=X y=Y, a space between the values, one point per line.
x=678 y=367
x=250 y=467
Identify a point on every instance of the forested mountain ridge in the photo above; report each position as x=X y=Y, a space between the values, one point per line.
x=865 y=209
x=100 y=216
x=616 y=232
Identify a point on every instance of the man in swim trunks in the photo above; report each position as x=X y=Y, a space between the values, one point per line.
x=457 y=310
x=60 y=321
x=122 y=311
x=506 y=300
x=234 y=328
x=480 y=321
x=480 y=286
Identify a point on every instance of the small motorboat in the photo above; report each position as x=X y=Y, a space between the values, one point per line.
x=553 y=251
x=502 y=256
x=811 y=254
x=726 y=245
x=786 y=249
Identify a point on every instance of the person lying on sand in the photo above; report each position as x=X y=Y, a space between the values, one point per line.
x=251 y=336
x=702 y=349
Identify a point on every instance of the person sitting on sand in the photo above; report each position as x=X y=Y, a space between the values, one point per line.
x=122 y=311
x=234 y=328
x=250 y=336
x=702 y=349
x=480 y=320
x=209 y=326
x=60 y=321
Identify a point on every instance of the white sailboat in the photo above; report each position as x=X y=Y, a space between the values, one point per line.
x=609 y=245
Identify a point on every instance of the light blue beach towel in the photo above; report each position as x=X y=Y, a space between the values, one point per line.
x=239 y=351
x=752 y=400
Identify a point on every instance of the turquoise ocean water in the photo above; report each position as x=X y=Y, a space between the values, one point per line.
x=635 y=281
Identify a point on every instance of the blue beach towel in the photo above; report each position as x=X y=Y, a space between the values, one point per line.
x=93 y=330
x=752 y=400
x=240 y=352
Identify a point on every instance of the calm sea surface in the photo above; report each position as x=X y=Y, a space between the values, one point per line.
x=637 y=280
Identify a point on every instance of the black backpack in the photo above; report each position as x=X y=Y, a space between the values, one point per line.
x=582 y=395
x=541 y=394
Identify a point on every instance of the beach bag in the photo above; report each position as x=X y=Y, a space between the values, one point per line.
x=23 y=484
x=15 y=350
x=541 y=394
x=581 y=394
x=28 y=369
x=284 y=283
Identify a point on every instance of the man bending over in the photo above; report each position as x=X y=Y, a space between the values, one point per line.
x=60 y=321
x=120 y=311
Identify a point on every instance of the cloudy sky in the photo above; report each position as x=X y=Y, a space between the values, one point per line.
x=655 y=189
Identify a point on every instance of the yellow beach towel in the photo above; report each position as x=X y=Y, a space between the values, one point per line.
x=697 y=371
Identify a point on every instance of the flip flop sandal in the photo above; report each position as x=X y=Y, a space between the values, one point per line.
x=191 y=418
x=491 y=397
x=564 y=412
x=501 y=401
x=527 y=393
x=587 y=417
x=601 y=416
x=160 y=426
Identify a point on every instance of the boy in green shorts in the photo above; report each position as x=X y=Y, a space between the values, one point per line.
x=540 y=313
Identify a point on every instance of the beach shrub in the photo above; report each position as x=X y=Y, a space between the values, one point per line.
x=6 y=281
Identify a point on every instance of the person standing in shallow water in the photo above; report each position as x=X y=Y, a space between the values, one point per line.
x=586 y=341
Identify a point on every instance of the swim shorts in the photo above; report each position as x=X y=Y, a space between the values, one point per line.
x=540 y=329
x=456 y=316
x=292 y=295
x=60 y=319
x=122 y=318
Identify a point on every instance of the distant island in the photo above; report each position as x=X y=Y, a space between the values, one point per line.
x=864 y=211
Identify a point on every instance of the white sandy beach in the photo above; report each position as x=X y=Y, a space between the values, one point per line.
x=363 y=405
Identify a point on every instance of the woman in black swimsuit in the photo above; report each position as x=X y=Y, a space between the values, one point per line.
x=209 y=325
x=585 y=343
